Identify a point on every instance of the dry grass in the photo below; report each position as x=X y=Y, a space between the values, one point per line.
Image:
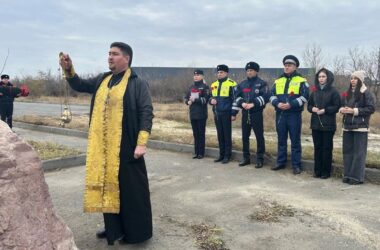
x=48 y=150
x=81 y=99
x=271 y=211
x=208 y=237
x=78 y=122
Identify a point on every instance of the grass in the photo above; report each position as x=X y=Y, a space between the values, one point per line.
x=271 y=211
x=48 y=150
x=208 y=237
x=78 y=122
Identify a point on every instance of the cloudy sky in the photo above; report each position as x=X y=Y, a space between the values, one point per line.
x=179 y=33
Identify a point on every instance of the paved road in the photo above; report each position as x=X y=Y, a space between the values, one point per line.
x=327 y=213
x=46 y=109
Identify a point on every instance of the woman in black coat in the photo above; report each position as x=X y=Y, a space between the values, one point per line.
x=323 y=104
x=197 y=98
x=358 y=105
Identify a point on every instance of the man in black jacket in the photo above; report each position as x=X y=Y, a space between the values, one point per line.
x=223 y=91
x=121 y=121
x=197 y=97
x=6 y=100
x=251 y=96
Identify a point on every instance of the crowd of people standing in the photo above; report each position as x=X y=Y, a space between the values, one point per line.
x=289 y=94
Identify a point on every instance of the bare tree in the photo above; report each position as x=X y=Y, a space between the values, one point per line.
x=313 y=56
x=339 y=64
x=357 y=58
x=373 y=70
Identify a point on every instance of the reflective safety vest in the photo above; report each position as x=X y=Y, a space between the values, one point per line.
x=224 y=88
x=294 y=85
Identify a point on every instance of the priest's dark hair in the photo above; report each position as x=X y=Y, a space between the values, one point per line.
x=125 y=48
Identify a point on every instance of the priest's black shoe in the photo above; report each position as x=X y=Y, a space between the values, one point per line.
x=354 y=182
x=278 y=167
x=219 y=159
x=259 y=164
x=244 y=162
x=195 y=156
x=226 y=160
x=296 y=171
x=101 y=234
x=200 y=156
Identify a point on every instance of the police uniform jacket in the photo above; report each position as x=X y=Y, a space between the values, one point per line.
x=252 y=90
x=292 y=89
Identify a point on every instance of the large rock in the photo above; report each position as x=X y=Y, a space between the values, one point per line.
x=27 y=216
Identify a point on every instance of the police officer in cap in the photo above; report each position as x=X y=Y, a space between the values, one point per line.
x=197 y=98
x=222 y=98
x=6 y=99
x=251 y=96
x=290 y=92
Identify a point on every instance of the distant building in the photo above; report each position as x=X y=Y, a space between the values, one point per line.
x=237 y=74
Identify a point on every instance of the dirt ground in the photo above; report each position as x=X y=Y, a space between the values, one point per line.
x=251 y=208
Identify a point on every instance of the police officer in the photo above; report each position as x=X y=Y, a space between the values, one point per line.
x=251 y=96
x=289 y=94
x=6 y=100
x=222 y=98
x=197 y=97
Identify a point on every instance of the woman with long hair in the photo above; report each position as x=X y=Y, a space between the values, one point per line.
x=358 y=105
x=323 y=104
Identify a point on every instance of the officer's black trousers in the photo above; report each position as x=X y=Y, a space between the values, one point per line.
x=253 y=121
x=6 y=112
x=223 y=128
x=199 y=130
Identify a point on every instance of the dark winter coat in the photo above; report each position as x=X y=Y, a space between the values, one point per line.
x=8 y=92
x=137 y=111
x=363 y=105
x=198 y=109
x=326 y=98
x=252 y=90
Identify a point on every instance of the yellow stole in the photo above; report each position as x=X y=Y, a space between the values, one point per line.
x=103 y=152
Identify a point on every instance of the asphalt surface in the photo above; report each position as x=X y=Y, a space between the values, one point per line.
x=46 y=109
x=327 y=214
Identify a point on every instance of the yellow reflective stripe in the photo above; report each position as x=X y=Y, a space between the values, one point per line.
x=294 y=85
x=225 y=88
x=214 y=88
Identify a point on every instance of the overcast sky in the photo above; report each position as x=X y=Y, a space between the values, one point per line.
x=179 y=33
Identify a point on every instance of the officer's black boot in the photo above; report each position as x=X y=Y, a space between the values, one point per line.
x=219 y=159
x=244 y=162
x=259 y=164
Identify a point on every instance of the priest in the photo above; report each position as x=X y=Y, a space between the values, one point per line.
x=121 y=116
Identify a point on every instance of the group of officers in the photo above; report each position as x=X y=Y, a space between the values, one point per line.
x=288 y=95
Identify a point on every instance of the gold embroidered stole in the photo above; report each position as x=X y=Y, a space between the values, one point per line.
x=103 y=151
